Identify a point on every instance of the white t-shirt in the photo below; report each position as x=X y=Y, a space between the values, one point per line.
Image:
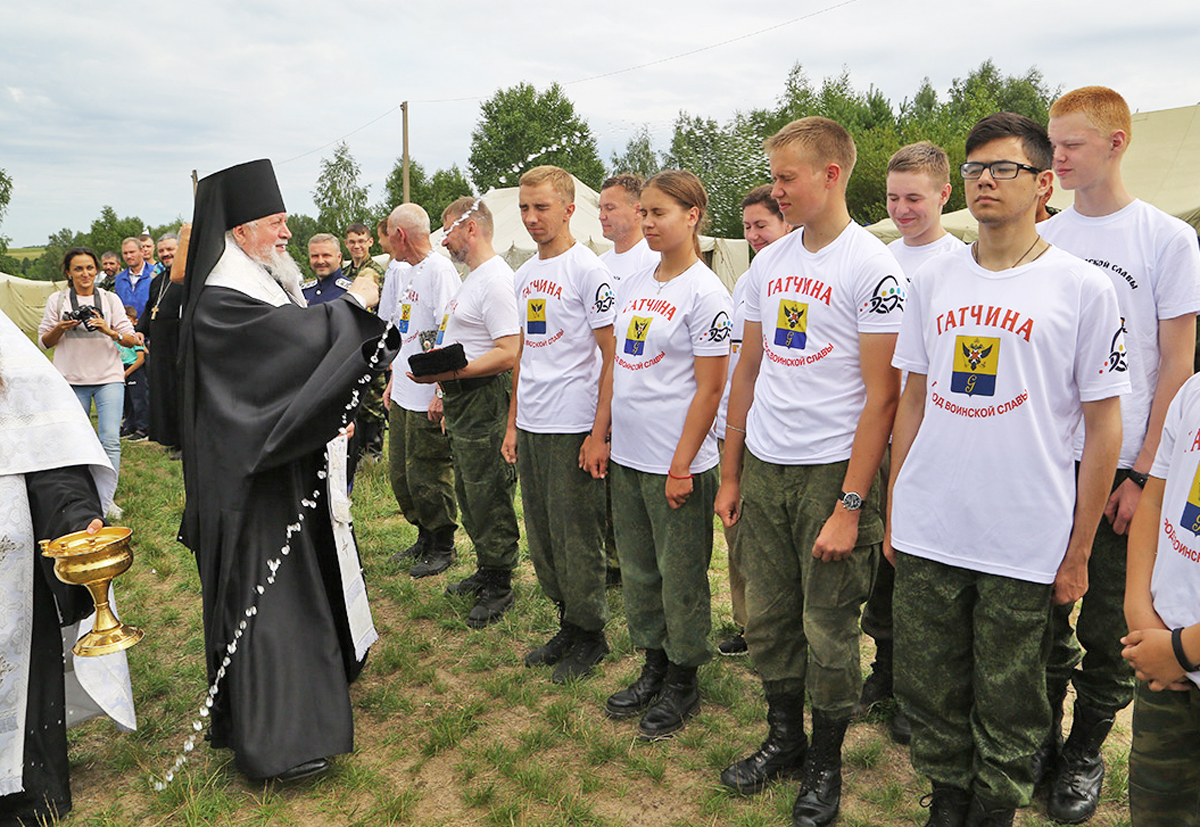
x=1175 y=584
x=414 y=298
x=911 y=258
x=1009 y=359
x=812 y=307
x=735 y=348
x=660 y=329
x=637 y=258
x=561 y=301
x=483 y=310
x=1153 y=262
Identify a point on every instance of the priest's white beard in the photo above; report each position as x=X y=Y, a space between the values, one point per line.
x=283 y=268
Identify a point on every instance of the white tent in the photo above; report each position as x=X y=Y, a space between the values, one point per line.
x=24 y=300
x=1161 y=167
x=728 y=257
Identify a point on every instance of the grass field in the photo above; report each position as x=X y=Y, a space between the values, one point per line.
x=30 y=253
x=450 y=728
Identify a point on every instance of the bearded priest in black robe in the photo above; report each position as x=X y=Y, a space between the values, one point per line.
x=268 y=385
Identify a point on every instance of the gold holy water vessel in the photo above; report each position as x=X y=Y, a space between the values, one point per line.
x=93 y=560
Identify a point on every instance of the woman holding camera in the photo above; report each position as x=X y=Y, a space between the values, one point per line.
x=83 y=324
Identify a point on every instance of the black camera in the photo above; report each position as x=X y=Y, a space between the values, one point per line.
x=83 y=314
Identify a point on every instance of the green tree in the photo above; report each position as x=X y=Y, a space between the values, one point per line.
x=434 y=193
x=108 y=231
x=340 y=199
x=639 y=157
x=8 y=264
x=48 y=266
x=521 y=128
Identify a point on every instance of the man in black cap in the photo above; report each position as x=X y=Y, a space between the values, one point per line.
x=268 y=385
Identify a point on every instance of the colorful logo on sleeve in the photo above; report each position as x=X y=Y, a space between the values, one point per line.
x=887 y=296
x=605 y=298
x=792 y=328
x=1191 y=509
x=1117 y=361
x=441 y=331
x=720 y=329
x=536 y=317
x=405 y=312
x=635 y=339
x=975 y=360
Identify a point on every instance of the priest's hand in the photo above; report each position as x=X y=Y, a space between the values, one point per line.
x=365 y=288
x=179 y=265
x=95 y=525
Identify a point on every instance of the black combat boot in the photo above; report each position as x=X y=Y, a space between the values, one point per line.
x=414 y=551
x=1046 y=756
x=495 y=596
x=947 y=806
x=588 y=650
x=438 y=554
x=471 y=584
x=678 y=701
x=878 y=685
x=641 y=693
x=1080 y=771
x=821 y=791
x=553 y=650
x=781 y=754
x=985 y=814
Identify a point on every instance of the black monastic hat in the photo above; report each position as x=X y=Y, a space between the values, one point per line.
x=225 y=200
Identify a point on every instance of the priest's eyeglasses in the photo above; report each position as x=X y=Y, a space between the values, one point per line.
x=999 y=170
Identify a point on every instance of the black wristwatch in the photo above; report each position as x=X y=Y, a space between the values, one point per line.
x=1138 y=478
x=851 y=501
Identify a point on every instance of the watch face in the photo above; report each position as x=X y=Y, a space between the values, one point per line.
x=852 y=501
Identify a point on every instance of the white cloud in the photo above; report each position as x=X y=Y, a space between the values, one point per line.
x=130 y=99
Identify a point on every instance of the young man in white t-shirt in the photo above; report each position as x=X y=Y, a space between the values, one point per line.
x=1008 y=344
x=1154 y=265
x=418 y=285
x=1162 y=610
x=621 y=224
x=822 y=311
x=918 y=186
x=557 y=432
x=482 y=317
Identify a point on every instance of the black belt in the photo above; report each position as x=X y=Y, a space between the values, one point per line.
x=455 y=386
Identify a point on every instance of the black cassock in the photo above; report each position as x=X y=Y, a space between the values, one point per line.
x=61 y=501
x=160 y=323
x=264 y=389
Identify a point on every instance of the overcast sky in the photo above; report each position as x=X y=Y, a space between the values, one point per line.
x=115 y=103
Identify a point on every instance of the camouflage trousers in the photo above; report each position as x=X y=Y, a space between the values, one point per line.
x=372 y=418
x=611 y=560
x=476 y=420
x=970 y=661
x=802 y=613
x=564 y=524
x=737 y=583
x=1164 y=773
x=877 y=613
x=665 y=554
x=1104 y=679
x=420 y=469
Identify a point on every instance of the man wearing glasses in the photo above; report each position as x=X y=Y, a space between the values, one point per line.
x=1008 y=344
